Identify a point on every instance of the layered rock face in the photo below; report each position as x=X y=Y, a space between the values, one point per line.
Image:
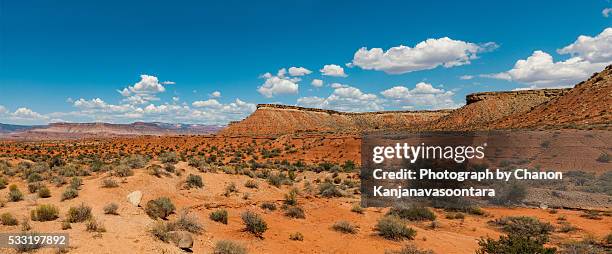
x=485 y=108
x=588 y=103
x=272 y=119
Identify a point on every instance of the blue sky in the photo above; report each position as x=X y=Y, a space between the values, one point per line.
x=126 y=61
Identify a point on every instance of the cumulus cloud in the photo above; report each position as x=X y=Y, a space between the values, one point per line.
x=3 y=110
x=299 y=71
x=278 y=85
x=426 y=55
x=317 y=83
x=27 y=114
x=606 y=12
x=344 y=98
x=215 y=94
x=588 y=55
x=144 y=90
x=422 y=95
x=333 y=70
x=207 y=103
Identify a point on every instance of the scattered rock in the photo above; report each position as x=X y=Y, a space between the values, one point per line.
x=181 y=239
x=134 y=198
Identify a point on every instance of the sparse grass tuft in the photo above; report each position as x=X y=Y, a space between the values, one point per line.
x=254 y=223
x=344 y=227
x=409 y=249
x=393 y=228
x=194 y=181
x=251 y=184
x=70 y=193
x=109 y=183
x=219 y=215
x=229 y=247
x=413 y=213
x=8 y=219
x=267 y=205
x=111 y=209
x=297 y=236
x=295 y=212
x=357 y=209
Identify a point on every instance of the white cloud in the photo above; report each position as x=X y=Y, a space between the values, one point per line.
x=426 y=55
x=333 y=70
x=606 y=12
x=3 y=110
x=423 y=95
x=215 y=94
x=144 y=90
x=344 y=98
x=466 y=77
x=207 y=103
x=27 y=114
x=299 y=71
x=589 y=55
x=277 y=85
x=596 y=49
x=317 y=83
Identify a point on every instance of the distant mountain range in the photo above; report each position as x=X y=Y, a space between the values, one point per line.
x=89 y=130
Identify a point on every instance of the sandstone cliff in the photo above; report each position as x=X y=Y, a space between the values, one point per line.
x=272 y=119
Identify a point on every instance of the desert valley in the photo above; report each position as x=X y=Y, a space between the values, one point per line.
x=286 y=180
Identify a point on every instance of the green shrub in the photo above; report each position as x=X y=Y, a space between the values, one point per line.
x=455 y=216
x=194 y=181
x=344 y=227
x=525 y=227
x=512 y=244
x=111 y=209
x=93 y=225
x=329 y=190
x=159 y=208
x=44 y=192
x=254 y=223
x=134 y=161
x=566 y=227
x=34 y=177
x=219 y=215
x=168 y=157
x=154 y=170
x=70 y=193
x=608 y=239
x=8 y=219
x=66 y=225
x=160 y=230
x=295 y=212
x=123 y=171
x=78 y=214
x=357 y=209
x=14 y=194
x=291 y=197
x=76 y=183
x=229 y=247
x=189 y=223
x=3 y=183
x=409 y=249
x=413 y=213
x=109 y=183
x=393 y=228
x=297 y=236
x=44 y=213
x=33 y=187
x=268 y=206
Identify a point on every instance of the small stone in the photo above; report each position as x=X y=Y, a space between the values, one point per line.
x=134 y=198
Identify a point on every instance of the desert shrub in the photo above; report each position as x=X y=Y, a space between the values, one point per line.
x=34 y=177
x=160 y=230
x=409 y=249
x=25 y=224
x=591 y=215
x=229 y=247
x=344 y=227
x=159 y=208
x=604 y=158
x=252 y=184
x=70 y=193
x=525 y=226
x=194 y=181
x=230 y=189
x=357 y=209
x=566 y=227
x=14 y=194
x=295 y=212
x=170 y=168
x=512 y=244
x=8 y=219
x=268 y=206
x=254 y=223
x=3 y=183
x=109 y=183
x=134 y=161
x=291 y=197
x=297 y=236
x=582 y=247
x=33 y=187
x=58 y=181
x=111 y=209
x=608 y=239
x=188 y=222
x=154 y=170
x=413 y=213
x=93 y=225
x=76 y=183
x=455 y=216
x=123 y=171
x=510 y=194
x=219 y=215
x=44 y=192
x=168 y=157
x=66 y=225
x=44 y=213
x=393 y=228
x=329 y=190
x=78 y=214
